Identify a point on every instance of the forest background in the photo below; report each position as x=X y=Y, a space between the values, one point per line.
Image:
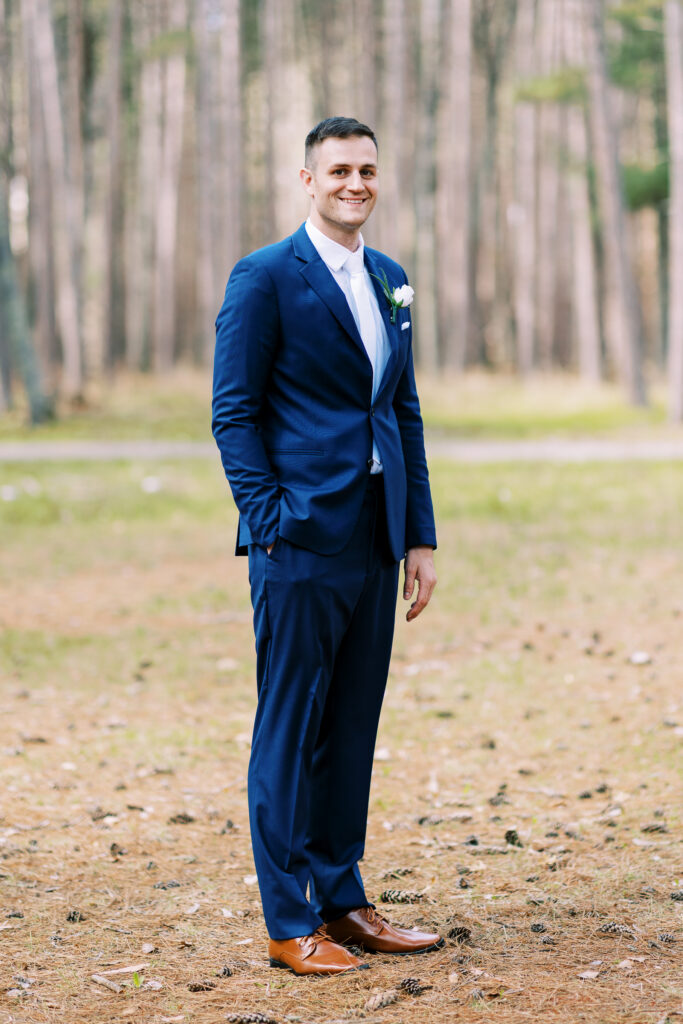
x=531 y=171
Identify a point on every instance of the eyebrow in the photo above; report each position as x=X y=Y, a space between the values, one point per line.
x=336 y=167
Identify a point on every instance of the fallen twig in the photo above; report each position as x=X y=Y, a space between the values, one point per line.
x=106 y=983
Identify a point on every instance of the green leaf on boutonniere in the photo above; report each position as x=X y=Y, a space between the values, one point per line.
x=396 y=297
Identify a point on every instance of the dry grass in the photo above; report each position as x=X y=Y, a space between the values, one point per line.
x=127 y=699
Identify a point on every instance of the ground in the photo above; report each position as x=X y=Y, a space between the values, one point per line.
x=527 y=789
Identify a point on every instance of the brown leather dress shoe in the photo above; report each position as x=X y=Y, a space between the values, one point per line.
x=365 y=927
x=313 y=954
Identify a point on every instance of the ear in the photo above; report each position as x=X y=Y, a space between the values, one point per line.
x=306 y=177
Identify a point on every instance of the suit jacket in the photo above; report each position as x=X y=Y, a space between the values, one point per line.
x=293 y=414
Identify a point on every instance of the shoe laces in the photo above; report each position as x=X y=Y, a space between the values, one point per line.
x=319 y=935
x=373 y=917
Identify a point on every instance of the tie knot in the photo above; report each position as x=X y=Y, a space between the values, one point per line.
x=354 y=263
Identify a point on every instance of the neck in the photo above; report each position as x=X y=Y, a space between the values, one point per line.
x=348 y=237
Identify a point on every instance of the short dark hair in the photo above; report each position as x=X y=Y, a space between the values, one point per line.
x=335 y=128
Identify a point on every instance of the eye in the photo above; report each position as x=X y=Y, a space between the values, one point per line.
x=339 y=171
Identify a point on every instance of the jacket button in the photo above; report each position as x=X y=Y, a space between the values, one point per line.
x=372 y=411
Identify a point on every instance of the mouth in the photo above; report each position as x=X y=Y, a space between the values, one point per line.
x=352 y=202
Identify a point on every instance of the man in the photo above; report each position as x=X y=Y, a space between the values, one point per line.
x=317 y=420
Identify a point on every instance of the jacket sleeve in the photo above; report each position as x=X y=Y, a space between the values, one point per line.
x=247 y=333
x=420 y=527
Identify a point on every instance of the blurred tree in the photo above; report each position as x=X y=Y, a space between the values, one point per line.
x=523 y=213
x=220 y=168
x=396 y=162
x=674 y=76
x=37 y=24
x=17 y=350
x=622 y=318
x=548 y=186
x=492 y=27
x=172 y=45
x=141 y=218
x=637 y=65
x=114 y=300
x=426 y=334
x=454 y=191
x=586 y=315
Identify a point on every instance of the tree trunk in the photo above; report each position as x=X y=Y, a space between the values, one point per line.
x=623 y=318
x=5 y=155
x=114 y=303
x=140 y=224
x=673 y=12
x=288 y=111
x=73 y=125
x=549 y=241
x=366 y=71
x=15 y=333
x=228 y=239
x=426 y=347
x=36 y=14
x=163 y=343
x=274 y=74
x=40 y=225
x=524 y=215
x=586 y=318
x=454 y=188
x=207 y=23
x=393 y=160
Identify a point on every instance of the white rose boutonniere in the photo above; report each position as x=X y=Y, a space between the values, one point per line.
x=403 y=296
x=398 y=297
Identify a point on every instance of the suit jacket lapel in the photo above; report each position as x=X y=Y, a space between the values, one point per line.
x=316 y=273
x=374 y=267
x=375 y=270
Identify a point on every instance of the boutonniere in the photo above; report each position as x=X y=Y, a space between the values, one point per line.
x=397 y=298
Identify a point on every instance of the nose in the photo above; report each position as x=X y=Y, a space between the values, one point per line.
x=356 y=183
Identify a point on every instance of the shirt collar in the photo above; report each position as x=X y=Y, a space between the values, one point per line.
x=332 y=253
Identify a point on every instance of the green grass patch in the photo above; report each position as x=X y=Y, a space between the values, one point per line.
x=486 y=406
x=475 y=405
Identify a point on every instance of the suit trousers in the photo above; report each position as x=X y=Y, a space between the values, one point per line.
x=324 y=628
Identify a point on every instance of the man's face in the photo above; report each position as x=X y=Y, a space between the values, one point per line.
x=342 y=183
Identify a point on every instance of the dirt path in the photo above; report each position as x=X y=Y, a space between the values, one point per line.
x=540 y=450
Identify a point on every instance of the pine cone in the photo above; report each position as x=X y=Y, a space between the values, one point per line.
x=460 y=933
x=613 y=928
x=666 y=937
x=538 y=926
x=677 y=896
x=201 y=986
x=250 y=1018
x=413 y=986
x=397 y=873
x=400 y=896
x=381 y=999
x=512 y=838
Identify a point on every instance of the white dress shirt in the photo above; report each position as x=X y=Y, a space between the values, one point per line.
x=366 y=312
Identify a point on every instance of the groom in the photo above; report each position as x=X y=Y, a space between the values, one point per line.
x=317 y=420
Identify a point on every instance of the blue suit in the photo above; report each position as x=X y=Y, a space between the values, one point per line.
x=294 y=419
